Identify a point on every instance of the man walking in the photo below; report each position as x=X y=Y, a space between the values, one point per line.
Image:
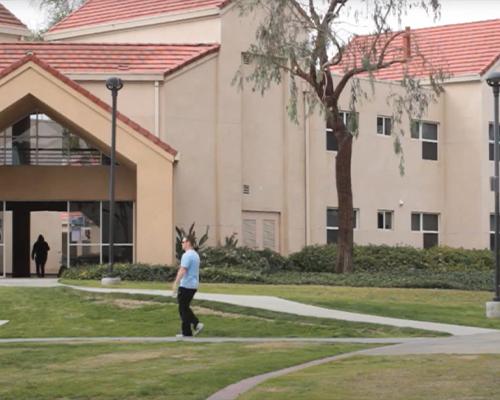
x=188 y=276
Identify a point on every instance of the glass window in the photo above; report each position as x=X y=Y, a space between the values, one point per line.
x=384 y=125
x=430 y=240
x=332 y=236
x=38 y=140
x=122 y=254
x=331 y=141
x=429 y=131
x=384 y=220
x=415 y=130
x=123 y=222
x=415 y=222
x=84 y=254
x=429 y=151
x=332 y=218
x=84 y=222
x=430 y=222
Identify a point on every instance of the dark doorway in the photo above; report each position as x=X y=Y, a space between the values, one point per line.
x=21 y=246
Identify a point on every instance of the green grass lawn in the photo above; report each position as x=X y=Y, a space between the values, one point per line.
x=447 y=306
x=143 y=371
x=63 y=312
x=437 y=377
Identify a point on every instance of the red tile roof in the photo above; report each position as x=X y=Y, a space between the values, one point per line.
x=95 y=12
x=459 y=49
x=9 y=19
x=144 y=132
x=107 y=58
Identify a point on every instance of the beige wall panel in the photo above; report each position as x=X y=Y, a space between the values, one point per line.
x=37 y=183
x=466 y=148
x=136 y=100
x=189 y=112
x=203 y=30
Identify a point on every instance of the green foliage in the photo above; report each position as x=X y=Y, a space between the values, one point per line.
x=127 y=272
x=198 y=245
x=374 y=266
x=244 y=257
x=231 y=241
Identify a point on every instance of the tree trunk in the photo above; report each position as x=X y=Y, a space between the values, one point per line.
x=344 y=193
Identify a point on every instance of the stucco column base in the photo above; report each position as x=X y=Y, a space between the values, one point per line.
x=111 y=281
x=493 y=309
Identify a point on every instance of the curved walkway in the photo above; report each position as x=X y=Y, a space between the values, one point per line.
x=270 y=303
x=467 y=340
x=277 y=304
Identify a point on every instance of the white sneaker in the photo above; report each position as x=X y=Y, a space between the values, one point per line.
x=198 y=329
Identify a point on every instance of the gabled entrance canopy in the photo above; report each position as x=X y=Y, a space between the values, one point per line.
x=145 y=174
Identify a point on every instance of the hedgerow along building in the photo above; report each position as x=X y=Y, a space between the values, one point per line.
x=193 y=148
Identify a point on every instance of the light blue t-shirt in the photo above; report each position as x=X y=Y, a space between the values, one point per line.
x=191 y=261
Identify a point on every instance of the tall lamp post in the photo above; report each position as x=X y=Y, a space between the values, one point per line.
x=493 y=307
x=114 y=85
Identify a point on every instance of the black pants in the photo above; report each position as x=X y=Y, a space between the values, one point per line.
x=40 y=267
x=184 y=298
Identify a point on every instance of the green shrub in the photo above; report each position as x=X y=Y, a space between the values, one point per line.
x=243 y=257
x=394 y=258
x=127 y=272
x=315 y=258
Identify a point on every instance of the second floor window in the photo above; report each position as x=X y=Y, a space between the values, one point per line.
x=427 y=133
x=384 y=126
x=351 y=125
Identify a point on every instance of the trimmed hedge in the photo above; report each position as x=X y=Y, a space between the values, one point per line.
x=375 y=266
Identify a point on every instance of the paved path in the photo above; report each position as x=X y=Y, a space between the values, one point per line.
x=291 y=307
x=136 y=339
x=269 y=303
x=467 y=340
x=3 y=322
x=488 y=343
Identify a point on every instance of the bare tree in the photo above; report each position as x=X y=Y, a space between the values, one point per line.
x=306 y=41
x=59 y=9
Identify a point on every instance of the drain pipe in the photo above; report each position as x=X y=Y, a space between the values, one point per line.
x=306 y=172
x=157 y=109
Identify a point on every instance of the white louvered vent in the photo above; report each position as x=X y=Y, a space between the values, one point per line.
x=250 y=233
x=246 y=189
x=268 y=234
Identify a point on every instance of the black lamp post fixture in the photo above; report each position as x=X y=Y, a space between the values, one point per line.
x=493 y=80
x=114 y=85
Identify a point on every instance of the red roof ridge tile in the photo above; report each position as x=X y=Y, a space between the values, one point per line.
x=126 y=120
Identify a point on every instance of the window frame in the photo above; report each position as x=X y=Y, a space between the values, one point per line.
x=420 y=123
x=421 y=225
x=384 y=216
x=384 y=118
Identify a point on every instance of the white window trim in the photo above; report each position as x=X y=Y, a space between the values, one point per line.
x=420 y=123
x=491 y=141
x=384 y=214
x=384 y=118
x=421 y=223
x=356 y=218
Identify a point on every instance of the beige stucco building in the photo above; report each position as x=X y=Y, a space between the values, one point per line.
x=193 y=148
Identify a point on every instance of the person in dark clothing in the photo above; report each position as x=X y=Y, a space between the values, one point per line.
x=39 y=254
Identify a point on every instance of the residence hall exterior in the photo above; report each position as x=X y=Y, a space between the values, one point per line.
x=193 y=148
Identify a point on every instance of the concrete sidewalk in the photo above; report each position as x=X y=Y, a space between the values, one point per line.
x=3 y=322
x=269 y=303
x=291 y=307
